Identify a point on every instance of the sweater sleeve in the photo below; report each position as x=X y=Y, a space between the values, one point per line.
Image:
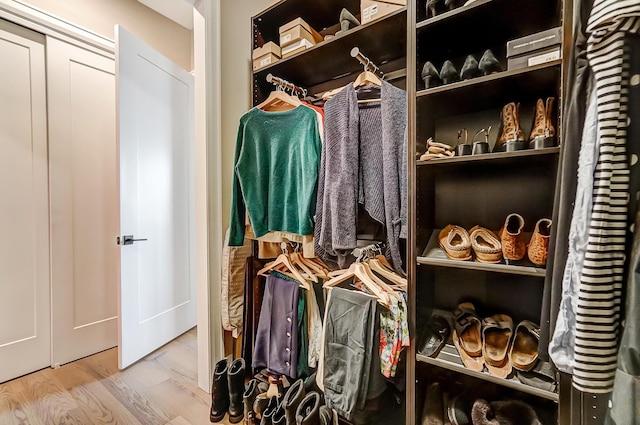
x=238 y=208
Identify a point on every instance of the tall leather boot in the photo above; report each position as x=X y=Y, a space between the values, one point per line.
x=248 y=398
x=542 y=131
x=219 y=392
x=291 y=401
x=510 y=136
x=326 y=416
x=272 y=407
x=308 y=412
x=235 y=377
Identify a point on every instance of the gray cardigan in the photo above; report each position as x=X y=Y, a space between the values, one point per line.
x=343 y=183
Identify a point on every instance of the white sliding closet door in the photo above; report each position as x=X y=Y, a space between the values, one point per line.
x=24 y=233
x=85 y=266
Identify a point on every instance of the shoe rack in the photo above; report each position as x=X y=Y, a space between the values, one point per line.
x=478 y=189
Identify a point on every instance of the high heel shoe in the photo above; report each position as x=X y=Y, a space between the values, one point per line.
x=347 y=20
x=488 y=63
x=433 y=7
x=542 y=130
x=464 y=148
x=430 y=76
x=480 y=147
x=452 y=4
x=448 y=73
x=510 y=137
x=470 y=68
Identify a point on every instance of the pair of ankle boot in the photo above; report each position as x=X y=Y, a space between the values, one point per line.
x=514 y=247
x=471 y=68
x=226 y=391
x=511 y=137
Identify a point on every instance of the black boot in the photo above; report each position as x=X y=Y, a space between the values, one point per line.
x=219 y=392
x=279 y=416
x=236 y=388
x=326 y=416
x=308 y=412
x=248 y=398
x=292 y=399
x=259 y=406
x=272 y=407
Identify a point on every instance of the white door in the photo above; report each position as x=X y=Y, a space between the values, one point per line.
x=155 y=140
x=24 y=216
x=85 y=262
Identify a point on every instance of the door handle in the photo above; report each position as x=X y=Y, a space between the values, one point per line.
x=127 y=240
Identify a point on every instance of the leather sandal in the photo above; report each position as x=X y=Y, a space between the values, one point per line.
x=486 y=245
x=435 y=335
x=496 y=335
x=467 y=337
x=524 y=351
x=455 y=243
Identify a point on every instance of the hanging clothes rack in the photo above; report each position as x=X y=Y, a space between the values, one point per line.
x=286 y=85
x=366 y=62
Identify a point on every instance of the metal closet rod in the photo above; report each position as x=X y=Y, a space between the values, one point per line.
x=366 y=62
x=281 y=82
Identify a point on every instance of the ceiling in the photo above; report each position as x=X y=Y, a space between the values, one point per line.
x=179 y=11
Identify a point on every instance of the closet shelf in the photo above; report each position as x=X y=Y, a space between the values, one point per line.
x=450 y=359
x=383 y=40
x=498 y=156
x=433 y=256
x=451 y=15
x=497 y=78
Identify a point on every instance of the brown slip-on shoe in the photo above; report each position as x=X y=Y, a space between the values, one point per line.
x=496 y=337
x=524 y=350
x=512 y=238
x=539 y=245
x=467 y=336
x=455 y=242
x=486 y=245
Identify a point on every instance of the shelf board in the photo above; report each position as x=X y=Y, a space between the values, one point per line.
x=527 y=153
x=450 y=14
x=434 y=256
x=382 y=41
x=450 y=359
x=497 y=77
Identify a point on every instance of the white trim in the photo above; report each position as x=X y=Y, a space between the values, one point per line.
x=44 y=22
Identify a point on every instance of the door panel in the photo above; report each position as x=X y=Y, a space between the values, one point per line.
x=155 y=139
x=24 y=231
x=84 y=206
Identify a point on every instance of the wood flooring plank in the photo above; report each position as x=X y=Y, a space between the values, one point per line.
x=14 y=408
x=179 y=421
x=181 y=397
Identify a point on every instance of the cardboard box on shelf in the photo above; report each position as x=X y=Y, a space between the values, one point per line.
x=266 y=55
x=370 y=10
x=296 y=30
x=296 y=47
x=536 y=57
x=533 y=42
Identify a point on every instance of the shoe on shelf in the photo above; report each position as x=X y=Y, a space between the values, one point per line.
x=452 y=4
x=512 y=412
x=512 y=238
x=434 y=336
x=467 y=336
x=458 y=407
x=538 y=249
x=433 y=7
x=448 y=72
x=496 y=337
x=479 y=146
x=433 y=410
x=510 y=137
x=469 y=68
x=430 y=75
x=486 y=245
x=347 y=20
x=463 y=148
x=542 y=130
x=455 y=243
x=488 y=63
x=524 y=350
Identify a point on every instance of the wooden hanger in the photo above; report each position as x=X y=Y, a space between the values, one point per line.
x=283 y=259
x=367 y=77
x=376 y=266
x=278 y=100
x=297 y=260
x=357 y=270
x=320 y=270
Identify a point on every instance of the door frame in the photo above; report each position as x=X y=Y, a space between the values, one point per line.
x=208 y=189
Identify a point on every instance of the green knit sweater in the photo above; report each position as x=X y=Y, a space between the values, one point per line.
x=275 y=172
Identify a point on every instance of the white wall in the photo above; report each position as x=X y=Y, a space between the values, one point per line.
x=100 y=16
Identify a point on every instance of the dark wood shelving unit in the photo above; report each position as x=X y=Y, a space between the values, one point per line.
x=495 y=156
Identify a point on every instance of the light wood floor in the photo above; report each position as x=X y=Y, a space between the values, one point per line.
x=161 y=389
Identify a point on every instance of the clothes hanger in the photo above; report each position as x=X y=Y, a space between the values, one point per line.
x=357 y=270
x=279 y=100
x=377 y=267
x=296 y=260
x=283 y=259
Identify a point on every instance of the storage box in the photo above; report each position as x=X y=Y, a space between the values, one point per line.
x=296 y=47
x=537 y=41
x=534 y=58
x=296 y=30
x=266 y=55
x=371 y=10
